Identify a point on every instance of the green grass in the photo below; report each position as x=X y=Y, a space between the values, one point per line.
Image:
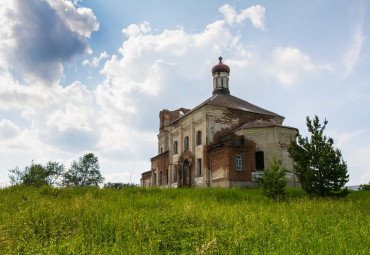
x=180 y=221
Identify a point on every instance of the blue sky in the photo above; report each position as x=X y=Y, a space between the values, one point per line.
x=92 y=76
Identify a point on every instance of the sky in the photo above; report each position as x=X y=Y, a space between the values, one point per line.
x=91 y=75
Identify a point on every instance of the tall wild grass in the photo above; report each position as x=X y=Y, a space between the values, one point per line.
x=180 y=221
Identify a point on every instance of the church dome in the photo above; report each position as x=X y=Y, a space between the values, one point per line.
x=220 y=67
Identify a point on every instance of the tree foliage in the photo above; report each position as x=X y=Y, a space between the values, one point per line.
x=319 y=166
x=84 y=173
x=365 y=186
x=273 y=181
x=37 y=175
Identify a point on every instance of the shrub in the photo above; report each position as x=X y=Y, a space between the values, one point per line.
x=273 y=181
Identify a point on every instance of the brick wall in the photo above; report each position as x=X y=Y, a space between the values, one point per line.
x=160 y=163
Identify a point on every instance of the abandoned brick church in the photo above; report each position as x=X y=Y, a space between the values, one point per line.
x=223 y=142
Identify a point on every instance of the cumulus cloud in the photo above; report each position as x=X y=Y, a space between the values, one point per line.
x=72 y=118
x=256 y=14
x=95 y=61
x=142 y=76
x=39 y=36
x=80 y=20
x=14 y=95
x=8 y=129
x=288 y=65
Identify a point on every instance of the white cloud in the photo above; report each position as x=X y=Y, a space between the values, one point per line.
x=8 y=129
x=289 y=65
x=350 y=58
x=256 y=14
x=80 y=20
x=39 y=36
x=134 y=30
x=95 y=62
x=72 y=118
x=13 y=95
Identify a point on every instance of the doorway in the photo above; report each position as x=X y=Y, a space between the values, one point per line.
x=186 y=174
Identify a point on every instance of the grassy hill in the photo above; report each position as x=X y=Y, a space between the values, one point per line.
x=180 y=221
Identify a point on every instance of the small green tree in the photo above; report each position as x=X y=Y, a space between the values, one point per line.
x=36 y=175
x=319 y=166
x=273 y=181
x=84 y=173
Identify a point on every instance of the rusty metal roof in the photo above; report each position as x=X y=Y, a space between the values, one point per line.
x=261 y=123
x=229 y=101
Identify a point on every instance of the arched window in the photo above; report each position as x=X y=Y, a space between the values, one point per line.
x=160 y=178
x=186 y=143
x=199 y=137
x=238 y=162
x=166 y=177
x=175 y=147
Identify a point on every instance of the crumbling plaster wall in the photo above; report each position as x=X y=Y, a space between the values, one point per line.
x=221 y=120
x=272 y=141
x=189 y=125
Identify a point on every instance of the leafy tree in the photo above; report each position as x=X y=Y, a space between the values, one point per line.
x=84 y=173
x=54 y=172
x=319 y=166
x=365 y=186
x=36 y=174
x=16 y=176
x=273 y=181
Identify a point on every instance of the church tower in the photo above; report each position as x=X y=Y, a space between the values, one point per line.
x=220 y=73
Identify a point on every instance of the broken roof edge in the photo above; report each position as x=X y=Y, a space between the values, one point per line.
x=261 y=124
x=147 y=172
x=271 y=124
x=161 y=154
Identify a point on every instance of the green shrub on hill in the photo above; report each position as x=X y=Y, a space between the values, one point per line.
x=273 y=181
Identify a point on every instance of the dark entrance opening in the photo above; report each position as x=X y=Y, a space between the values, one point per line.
x=260 y=161
x=186 y=174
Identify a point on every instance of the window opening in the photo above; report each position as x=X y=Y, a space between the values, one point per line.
x=199 y=137
x=238 y=162
x=199 y=167
x=175 y=147
x=186 y=143
x=260 y=162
